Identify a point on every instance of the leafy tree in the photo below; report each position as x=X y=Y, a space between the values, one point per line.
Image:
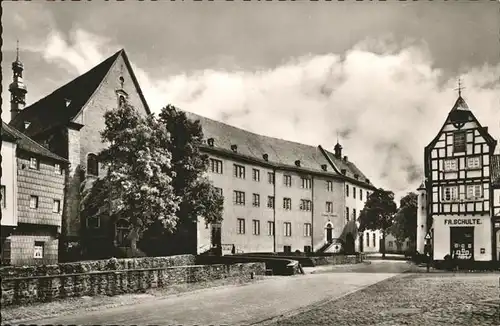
x=199 y=196
x=378 y=213
x=405 y=220
x=138 y=181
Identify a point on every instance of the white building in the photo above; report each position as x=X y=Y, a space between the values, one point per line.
x=456 y=204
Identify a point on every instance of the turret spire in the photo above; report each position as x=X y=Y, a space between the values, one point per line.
x=460 y=87
x=17 y=88
x=17 y=51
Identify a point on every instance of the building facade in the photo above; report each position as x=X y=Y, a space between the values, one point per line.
x=280 y=196
x=32 y=200
x=68 y=122
x=456 y=203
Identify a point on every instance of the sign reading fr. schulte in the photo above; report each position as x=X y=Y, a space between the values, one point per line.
x=463 y=221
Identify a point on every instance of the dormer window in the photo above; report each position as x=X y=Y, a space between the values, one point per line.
x=234 y=148
x=345 y=158
x=356 y=176
x=34 y=163
x=26 y=124
x=367 y=180
x=323 y=167
x=265 y=157
x=210 y=142
x=67 y=101
x=343 y=171
x=297 y=163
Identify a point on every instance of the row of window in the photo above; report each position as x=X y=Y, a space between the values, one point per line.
x=354 y=192
x=239 y=172
x=287 y=228
x=35 y=165
x=354 y=216
x=473 y=192
x=473 y=162
x=374 y=239
x=56 y=206
x=239 y=198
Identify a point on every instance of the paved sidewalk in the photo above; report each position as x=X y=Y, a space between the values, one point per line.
x=236 y=305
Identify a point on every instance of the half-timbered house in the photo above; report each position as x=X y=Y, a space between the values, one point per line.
x=457 y=195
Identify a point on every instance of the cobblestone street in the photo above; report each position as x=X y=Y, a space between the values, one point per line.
x=413 y=299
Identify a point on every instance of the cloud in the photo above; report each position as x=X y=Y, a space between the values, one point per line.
x=387 y=101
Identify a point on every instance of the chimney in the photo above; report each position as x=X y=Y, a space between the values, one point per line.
x=234 y=148
x=297 y=163
x=210 y=142
x=345 y=158
x=323 y=167
x=265 y=157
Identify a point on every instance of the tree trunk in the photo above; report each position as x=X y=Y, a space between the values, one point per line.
x=383 y=243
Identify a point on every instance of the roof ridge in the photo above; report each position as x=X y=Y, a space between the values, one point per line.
x=77 y=78
x=251 y=132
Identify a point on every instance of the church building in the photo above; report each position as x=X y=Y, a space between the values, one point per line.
x=278 y=195
x=458 y=204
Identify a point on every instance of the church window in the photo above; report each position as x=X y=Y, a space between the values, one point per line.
x=92 y=165
x=459 y=141
x=450 y=165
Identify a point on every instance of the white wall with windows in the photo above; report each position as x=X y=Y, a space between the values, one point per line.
x=9 y=184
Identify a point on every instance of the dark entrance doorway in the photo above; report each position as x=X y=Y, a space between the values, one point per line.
x=215 y=236
x=349 y=244
x=329 y=233
x=462 y=243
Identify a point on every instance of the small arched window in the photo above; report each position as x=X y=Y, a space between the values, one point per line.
x=92 y=165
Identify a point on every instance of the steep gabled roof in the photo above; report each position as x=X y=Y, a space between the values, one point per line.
x=27 y=144
x=461 y=105
x=495 y=170
x=52 y=110
x=280 y=152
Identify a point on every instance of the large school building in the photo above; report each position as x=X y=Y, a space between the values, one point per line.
x=281 y=195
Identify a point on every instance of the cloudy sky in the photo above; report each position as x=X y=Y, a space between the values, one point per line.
x=382 y=75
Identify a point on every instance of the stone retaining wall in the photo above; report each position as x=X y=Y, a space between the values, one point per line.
x=338 y=259
x=96 y=266
x=31 y=286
